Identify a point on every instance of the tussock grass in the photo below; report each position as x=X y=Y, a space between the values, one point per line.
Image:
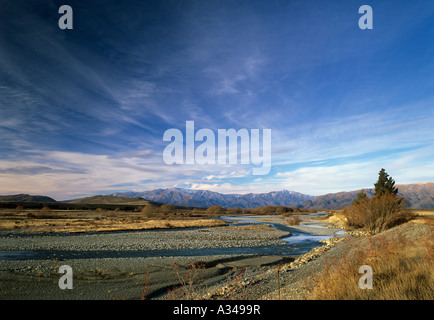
x=402 y=270
x=95 y=221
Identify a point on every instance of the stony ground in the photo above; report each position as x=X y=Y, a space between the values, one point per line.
x=109 y=265
x=220 y=276
x=295 y=280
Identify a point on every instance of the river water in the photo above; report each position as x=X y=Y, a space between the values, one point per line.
x=298 y=243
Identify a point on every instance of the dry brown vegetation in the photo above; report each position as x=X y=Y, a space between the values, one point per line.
x=293 y=221
x=48 y=220
x=109 y=217
x=402 y=269
x=377 y=214
x=423 y=216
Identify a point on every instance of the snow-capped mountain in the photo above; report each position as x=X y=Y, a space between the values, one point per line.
x=206 y=198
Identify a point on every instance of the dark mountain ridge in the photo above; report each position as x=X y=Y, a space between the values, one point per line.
x=26 y=198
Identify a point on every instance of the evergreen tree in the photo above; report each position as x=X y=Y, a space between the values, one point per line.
x=360 y=197
x=384 y=184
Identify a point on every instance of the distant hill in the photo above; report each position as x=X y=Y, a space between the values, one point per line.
x=25 y=198
x=334 y=201
x=111 y=200
x=418 y=196
x=89 y=203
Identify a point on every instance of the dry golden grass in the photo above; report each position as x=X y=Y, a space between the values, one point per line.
x=424 y=212
x=42 y=221
x=402 y=270
x=424 y=216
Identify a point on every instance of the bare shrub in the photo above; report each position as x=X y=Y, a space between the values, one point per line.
x=377 y=214
x=215 y=210
x=150 y=210
x=146 y=283
x=19 y=209
x=168 y=208
x=45 y=209
x=189 y=278
x=235 y=211
x=293 y=221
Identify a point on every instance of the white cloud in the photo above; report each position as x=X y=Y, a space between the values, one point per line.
x=64 y=174
x=406 y=167
x=69 y=173
x=351 y=136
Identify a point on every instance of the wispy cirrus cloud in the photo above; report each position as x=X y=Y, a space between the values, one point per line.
x=85 y=110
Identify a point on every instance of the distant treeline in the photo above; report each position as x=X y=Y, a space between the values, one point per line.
x=69 y=206
x=151 y=207
x=266 y=210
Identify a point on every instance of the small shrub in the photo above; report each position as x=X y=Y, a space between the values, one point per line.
x=168 y=208
x=145 y=285
x=19 y=209
x=150 y=210
x=293 y=221
x=235 y=211
x=45 y=210
x=215 y=210
x=189 y=278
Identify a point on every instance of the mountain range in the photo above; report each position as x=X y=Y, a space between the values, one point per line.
x=418 y=195
x=205 y=198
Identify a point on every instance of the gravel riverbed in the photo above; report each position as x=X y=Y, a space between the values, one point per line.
x=111 y=265
x=164 y=239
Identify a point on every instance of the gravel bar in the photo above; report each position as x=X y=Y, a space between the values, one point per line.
x=171 y=239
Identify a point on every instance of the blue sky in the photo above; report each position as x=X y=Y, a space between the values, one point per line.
x=83 y=111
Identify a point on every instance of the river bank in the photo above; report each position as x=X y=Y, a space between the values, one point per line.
x=254 y=258
x=112 y=265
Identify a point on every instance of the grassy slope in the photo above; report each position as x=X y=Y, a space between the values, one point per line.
x=402 y=261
